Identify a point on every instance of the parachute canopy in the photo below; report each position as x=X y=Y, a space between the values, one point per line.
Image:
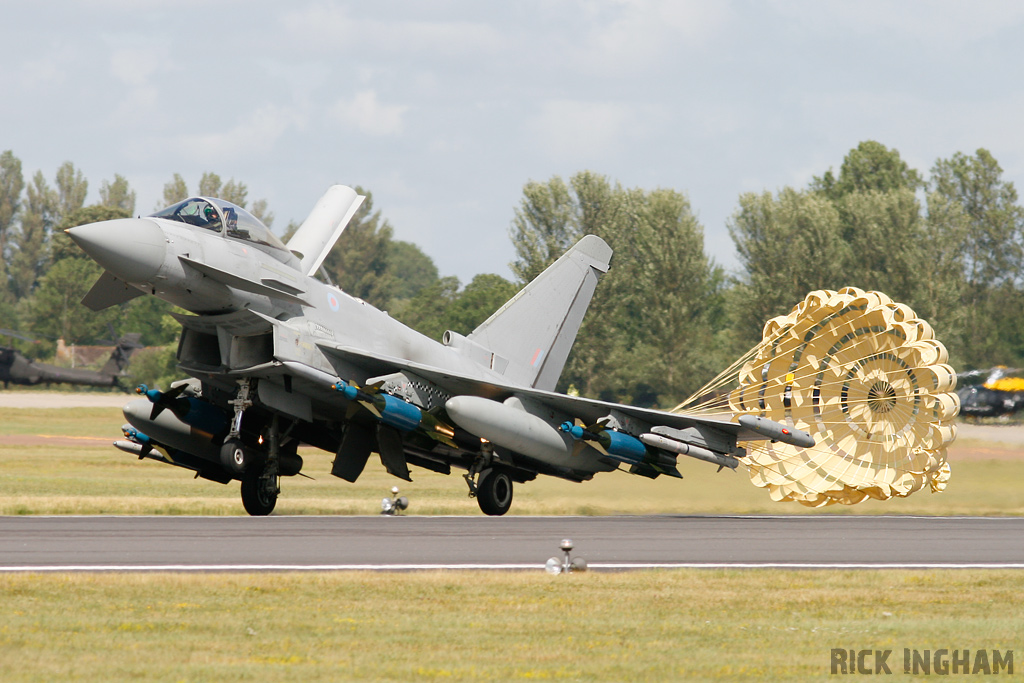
x=866 y=378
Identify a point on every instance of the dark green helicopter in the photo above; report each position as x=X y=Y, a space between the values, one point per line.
x=15 y=368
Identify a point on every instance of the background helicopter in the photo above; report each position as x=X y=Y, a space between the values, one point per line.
x=15 y=368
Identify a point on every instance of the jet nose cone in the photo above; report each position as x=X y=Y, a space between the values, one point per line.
x=133 y=249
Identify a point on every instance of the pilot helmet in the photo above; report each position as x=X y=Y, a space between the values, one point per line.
x=210 y=213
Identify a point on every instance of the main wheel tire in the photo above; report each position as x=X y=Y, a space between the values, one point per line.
x=234 y=456
x=494 y=492
x=258 y=499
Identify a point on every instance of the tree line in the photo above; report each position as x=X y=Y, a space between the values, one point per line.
x=664 y=320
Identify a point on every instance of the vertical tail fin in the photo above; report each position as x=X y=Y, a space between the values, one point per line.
x=535 y=330
x=122 y=353
x=324 y=225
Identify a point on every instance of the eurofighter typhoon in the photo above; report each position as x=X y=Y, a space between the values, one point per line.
x=279 y=357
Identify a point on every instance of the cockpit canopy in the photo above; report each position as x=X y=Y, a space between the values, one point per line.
x=218 y=214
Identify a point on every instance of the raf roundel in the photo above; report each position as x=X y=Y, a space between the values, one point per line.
x=332 y=301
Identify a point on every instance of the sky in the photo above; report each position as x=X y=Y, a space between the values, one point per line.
x=444 y=110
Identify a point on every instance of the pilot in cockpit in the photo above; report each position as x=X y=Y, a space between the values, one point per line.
x=212 y=219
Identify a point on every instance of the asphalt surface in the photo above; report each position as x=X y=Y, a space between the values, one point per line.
x=320 y=543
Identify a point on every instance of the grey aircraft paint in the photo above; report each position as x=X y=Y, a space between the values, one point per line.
x=278 y=357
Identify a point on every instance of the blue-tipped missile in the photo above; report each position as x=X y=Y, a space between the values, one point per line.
x=625 y=448
x=194 y=412
x=395 y=412
x=143 y=446
x=133 y=434
x=618 y=445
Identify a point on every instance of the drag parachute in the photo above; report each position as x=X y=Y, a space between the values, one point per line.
x=866 y=378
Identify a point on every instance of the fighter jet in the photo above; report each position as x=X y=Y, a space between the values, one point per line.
x=279 y=357
x=17 y=369
x=995 y=392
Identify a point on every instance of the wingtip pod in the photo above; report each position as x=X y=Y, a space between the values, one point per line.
x=866 y=378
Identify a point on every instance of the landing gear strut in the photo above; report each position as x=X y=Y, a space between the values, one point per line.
x=241 y=402
x=258 y=469
x=235 y=456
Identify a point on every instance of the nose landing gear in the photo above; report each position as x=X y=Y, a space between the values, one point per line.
x=258 y=468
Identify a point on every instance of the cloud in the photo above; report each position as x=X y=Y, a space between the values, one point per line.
x=141 y=104
x=922 y=128
x=254 y=135
x=582 y=131
x=630 y=34
x=331 y=28
x=943 y=23
x=47 y=72
x=137 y=98
x=368 y=115
x=134 y=66
x=320 y=26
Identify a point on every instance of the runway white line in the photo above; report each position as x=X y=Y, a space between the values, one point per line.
x=259 y=567
x=198 y=568
x=807 y=516
x=822 y=517
x=810 y=565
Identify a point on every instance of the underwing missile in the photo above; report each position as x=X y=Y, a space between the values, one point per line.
x=776 y=431
x=144 y=446
x=394 y=412
x=619 y=445
x=131 y=447
x=626 y=449
x=682 y=448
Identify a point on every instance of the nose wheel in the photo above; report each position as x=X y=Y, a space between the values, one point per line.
x=258 y=469
x=235 y=456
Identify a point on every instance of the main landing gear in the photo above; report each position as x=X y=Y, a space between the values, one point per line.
x=258 y=469
x=259 y=494
x=259 y=475
x=492 y=488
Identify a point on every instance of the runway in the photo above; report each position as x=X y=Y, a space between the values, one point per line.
x=411 y=543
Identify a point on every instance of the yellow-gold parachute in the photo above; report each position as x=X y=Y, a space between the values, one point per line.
x=866 y=378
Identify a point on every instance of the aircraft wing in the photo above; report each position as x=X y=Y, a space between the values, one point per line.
x=586 y=409
x=272 y=288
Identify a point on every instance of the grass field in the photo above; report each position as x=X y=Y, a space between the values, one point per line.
x=654 y=626
x=91 y=477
